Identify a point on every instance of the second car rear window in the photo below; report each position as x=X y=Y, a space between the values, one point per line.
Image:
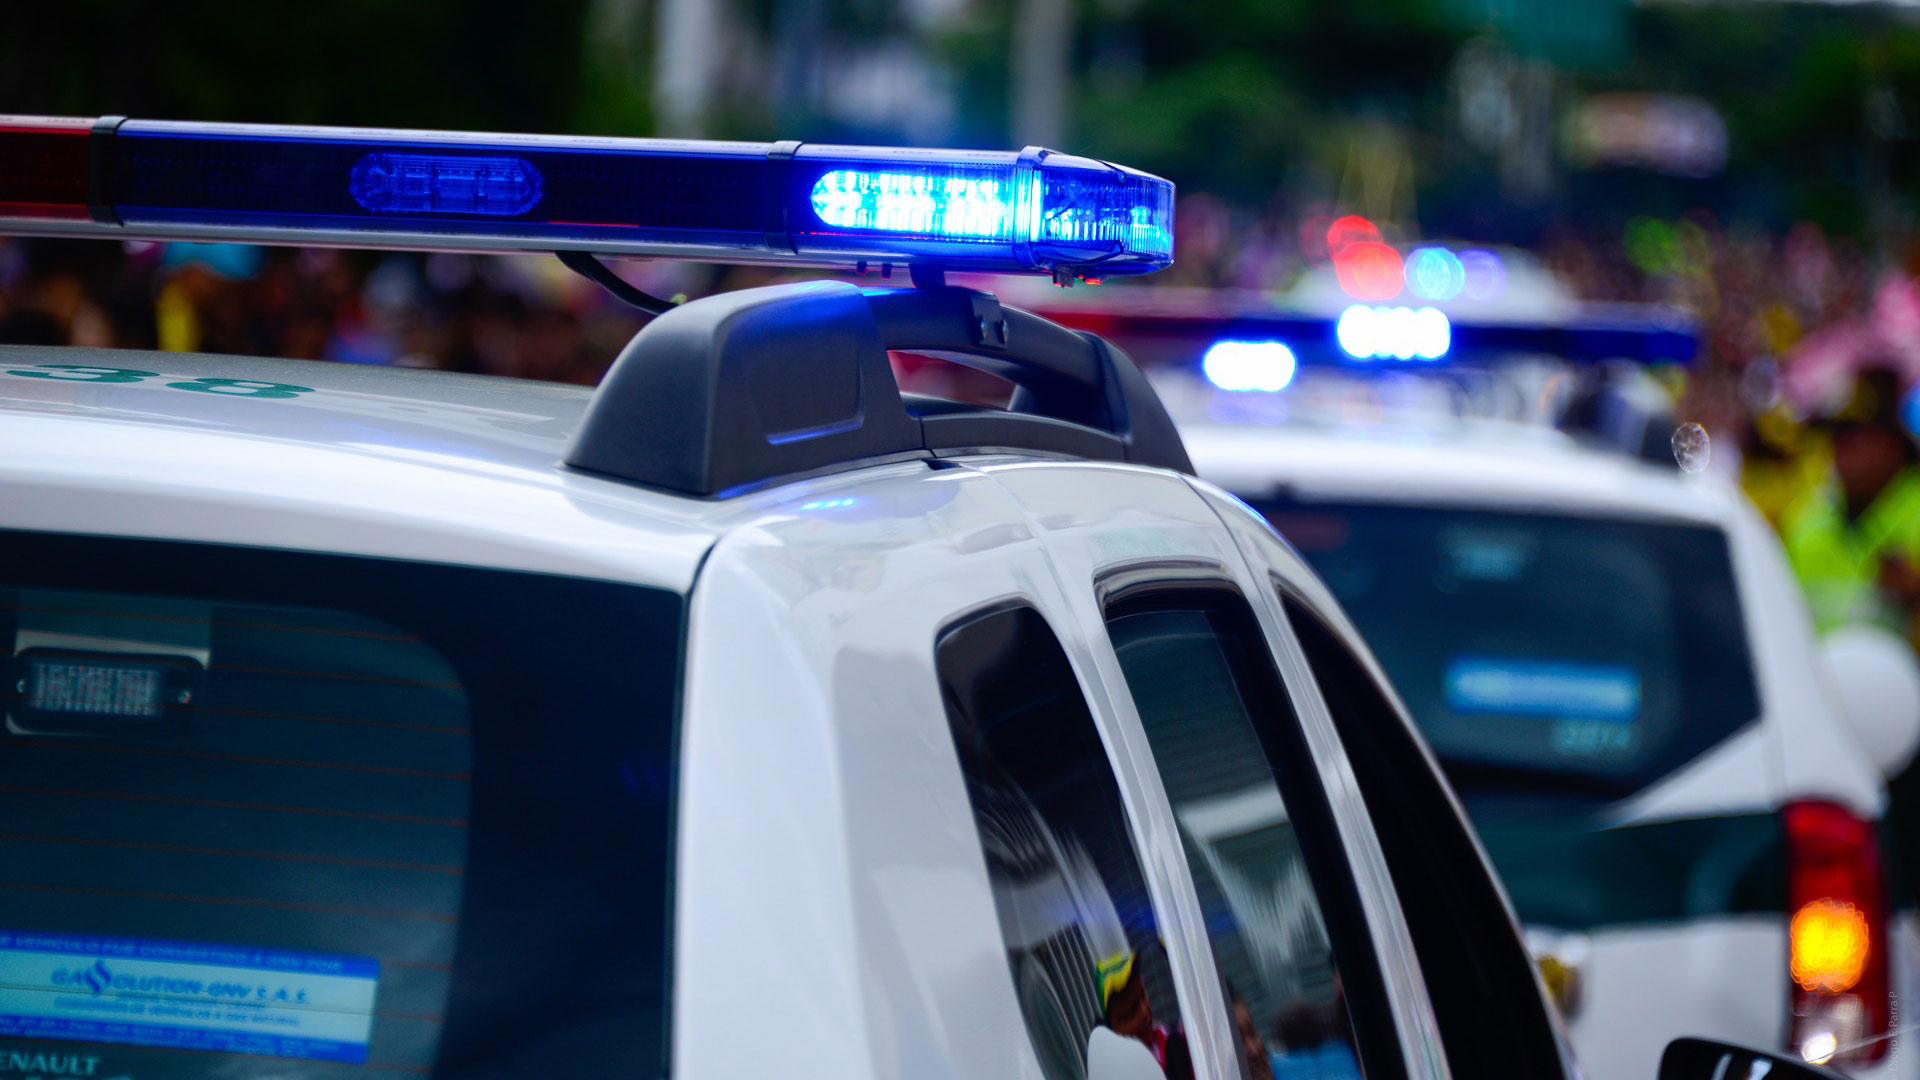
x=1537 y=651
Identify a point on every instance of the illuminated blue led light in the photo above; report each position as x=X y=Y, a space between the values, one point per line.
x=952 y=205
x=1434 y=273
x=1396 y=333
x=1249 y=365
x=1050 y=208
x=445 y=184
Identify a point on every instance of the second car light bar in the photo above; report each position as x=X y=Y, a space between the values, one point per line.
x=1034 y=210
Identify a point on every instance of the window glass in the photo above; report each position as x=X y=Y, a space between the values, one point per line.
x=1198 y=683
x=1492 y=1016
x=304 y=817
x=1088 y=965
x=1542 y=656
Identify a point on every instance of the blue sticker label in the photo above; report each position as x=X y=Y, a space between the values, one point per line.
x=193 y=997
x=1608 y=692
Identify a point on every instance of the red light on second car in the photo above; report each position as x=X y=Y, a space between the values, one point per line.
x=1352 y=229
x=1369 y=270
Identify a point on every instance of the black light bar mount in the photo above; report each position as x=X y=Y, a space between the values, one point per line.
x=739 y=389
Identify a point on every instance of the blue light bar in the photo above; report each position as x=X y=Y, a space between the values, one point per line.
x=1644 y=333
x=845 y=206
x=1394 y=333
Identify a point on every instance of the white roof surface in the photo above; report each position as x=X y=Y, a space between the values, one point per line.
x=374 y=461
x=1477 y=464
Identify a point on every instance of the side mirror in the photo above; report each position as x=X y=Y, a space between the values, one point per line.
x=1878 y=680
x=1704 y=1059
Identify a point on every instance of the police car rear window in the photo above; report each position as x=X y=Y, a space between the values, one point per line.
x=300 y=816
x=1540 y=652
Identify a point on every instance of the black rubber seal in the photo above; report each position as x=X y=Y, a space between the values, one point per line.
x=780 y=194
x=99 y=153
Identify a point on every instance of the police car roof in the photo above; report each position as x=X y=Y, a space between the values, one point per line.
x=367 y=460
x=1491 y=464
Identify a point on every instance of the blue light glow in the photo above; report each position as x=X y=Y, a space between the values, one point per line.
x=445 y=184
x=1396 y=333
x=1434 y=273
x=817 y=505
x=1051 y=207
x=933 y=205
x=1249 y=365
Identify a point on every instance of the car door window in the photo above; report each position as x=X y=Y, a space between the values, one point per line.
x=1205 y=686
x=1493 y=1018
x=1083 y=944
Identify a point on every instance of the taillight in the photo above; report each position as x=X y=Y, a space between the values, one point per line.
x=1836 y=934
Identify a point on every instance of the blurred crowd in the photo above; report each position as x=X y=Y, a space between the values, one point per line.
x=524 y=316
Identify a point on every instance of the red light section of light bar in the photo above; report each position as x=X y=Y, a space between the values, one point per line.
x=43 y=167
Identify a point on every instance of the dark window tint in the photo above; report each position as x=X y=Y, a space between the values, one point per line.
x=1492 y=1016
x=1205 y=687
x=1542 y=654
x=299 y=816
x=1082 y=941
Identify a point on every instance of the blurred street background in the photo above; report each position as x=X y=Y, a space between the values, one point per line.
x=1753 y=163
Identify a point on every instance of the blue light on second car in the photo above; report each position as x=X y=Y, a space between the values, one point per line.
x=1485 y=275
x=1249 y=365
x=445 y=184
x=1434 y=273
x=1396 y=333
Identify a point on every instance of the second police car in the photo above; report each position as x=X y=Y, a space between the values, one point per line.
x=742 y=716
x=1681 y=789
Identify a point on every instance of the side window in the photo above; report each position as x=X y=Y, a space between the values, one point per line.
x=1083 y=944
x=1492 y=1016
x=1217 y=717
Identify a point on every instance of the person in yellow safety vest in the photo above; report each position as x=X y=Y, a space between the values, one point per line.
x=1854 y=537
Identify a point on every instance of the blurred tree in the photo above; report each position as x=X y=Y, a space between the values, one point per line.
x=481 y=64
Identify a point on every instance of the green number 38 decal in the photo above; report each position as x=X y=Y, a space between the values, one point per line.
x=226 y=387
x=243 y=388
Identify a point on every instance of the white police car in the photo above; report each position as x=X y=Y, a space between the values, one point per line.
x=1615 y=667
x=741 y=717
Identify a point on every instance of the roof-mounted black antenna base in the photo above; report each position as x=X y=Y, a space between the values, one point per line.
x=591 y=268
x=927 y=275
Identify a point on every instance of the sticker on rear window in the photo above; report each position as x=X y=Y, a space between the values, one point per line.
x=220 y=998
x=1607 y=692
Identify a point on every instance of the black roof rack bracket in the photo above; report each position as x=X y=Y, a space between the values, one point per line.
x=747 y=387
